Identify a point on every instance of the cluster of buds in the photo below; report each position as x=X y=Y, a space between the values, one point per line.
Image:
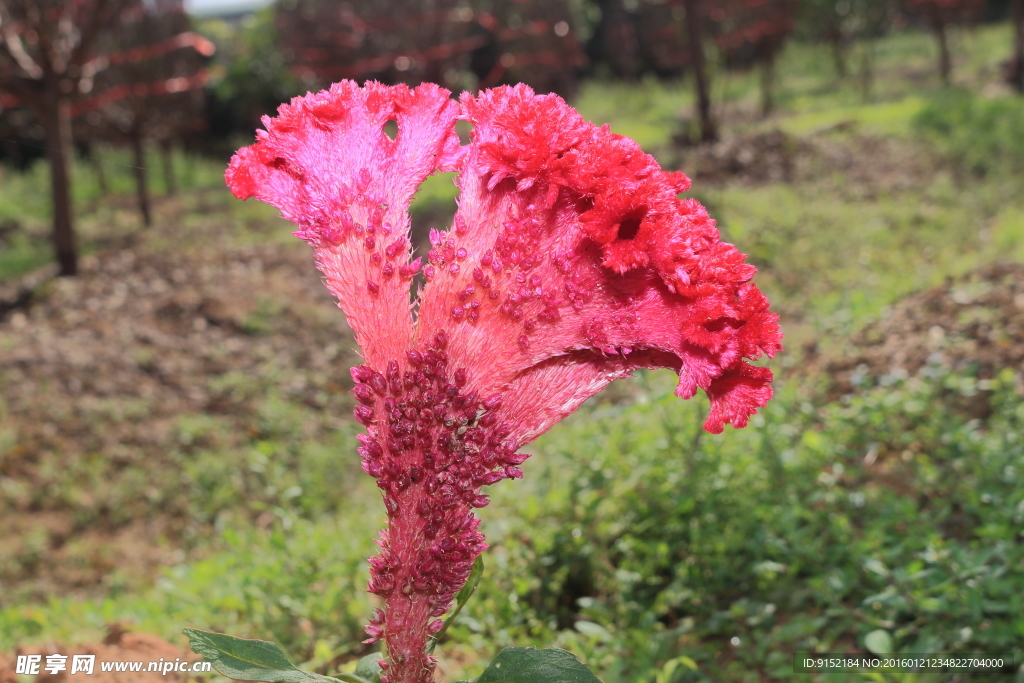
x=571 y=262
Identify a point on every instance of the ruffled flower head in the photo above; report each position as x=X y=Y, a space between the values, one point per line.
x=571 y=262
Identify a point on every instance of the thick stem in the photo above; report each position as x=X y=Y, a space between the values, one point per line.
x=57 y=123
x=411 y=606
x=708 y=129
x=431 y=445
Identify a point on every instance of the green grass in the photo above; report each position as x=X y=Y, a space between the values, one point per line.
x=667 y=542
x=674 y=542
x=25 y=200
x=983 y=135
x=882 y=118
x=302 y=585
x=809 y=94
x=857 y=255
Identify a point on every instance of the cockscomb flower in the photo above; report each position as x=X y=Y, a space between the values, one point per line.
x=571 y=262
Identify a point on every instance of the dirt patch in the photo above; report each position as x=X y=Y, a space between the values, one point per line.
x=973 y=325
x=760 y=158
x=118 y=646
x=100 y=374
x=864 y=164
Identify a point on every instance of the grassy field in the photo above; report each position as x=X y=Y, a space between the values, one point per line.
x=894 y=507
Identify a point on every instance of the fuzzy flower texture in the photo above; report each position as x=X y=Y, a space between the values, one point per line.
x=570 y=263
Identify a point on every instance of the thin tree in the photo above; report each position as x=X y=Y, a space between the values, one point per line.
x=754 y=32
x=529 y=41
x=44 y=45
x=940 y=15
x=1015 y=69
x=842 y=24
x=829 y=21
x=695 y=24
x=393 y=41
x=396 y=41
x=147 y=85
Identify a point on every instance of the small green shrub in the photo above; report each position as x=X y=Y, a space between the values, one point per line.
x=982 y=134
x=890 y=510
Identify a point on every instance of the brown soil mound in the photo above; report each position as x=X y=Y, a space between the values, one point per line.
x=862 y=164
x=118 y=646
x=763 y=157
x=96 y=375
x=973 y=325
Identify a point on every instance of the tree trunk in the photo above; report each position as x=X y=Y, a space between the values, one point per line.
x=867 y=70
x=945 y=61
x=708 y=129
x=97 y=167
x=838 y=42
x=615 y=40
x=167 y=161
x=141 y=191
x=767 y=86
x=57 y=123
x=1015 y=72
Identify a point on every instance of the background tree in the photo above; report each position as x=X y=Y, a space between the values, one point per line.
x=529 y=41
x=939 y=15
x=1015 y=69
x=634 y=38
x=844 y=25
x=696 y=22
x=249 y=79
x=392 y=41
x=395 y=41
x=44 y=45
x=753 y=32
x=830 y=21
x=147 y=86
x=22 y=139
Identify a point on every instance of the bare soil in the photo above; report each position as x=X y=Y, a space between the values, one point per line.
x=861 y=163
x=973 y=325
x=118 y=646
x=100 y=374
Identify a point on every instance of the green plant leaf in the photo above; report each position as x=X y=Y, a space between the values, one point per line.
x=368 y=669
x=667 y=671
x=461 y=598
x=253 y=660
x=879 y=642
x=530 y=665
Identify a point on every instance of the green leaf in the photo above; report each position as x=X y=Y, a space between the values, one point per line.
x=878 y=642
x=253 y=660
x=667 y=671
x=368 y=669
x=461 y=598
x=530 y=665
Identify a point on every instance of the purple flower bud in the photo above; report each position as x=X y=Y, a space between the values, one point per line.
x=364 y=414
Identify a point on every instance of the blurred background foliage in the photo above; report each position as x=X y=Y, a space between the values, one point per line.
x=203 y=472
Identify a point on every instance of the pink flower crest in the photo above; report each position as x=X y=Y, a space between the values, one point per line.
x=571 y=262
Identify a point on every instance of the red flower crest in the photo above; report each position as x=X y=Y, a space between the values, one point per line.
x=570 y=263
